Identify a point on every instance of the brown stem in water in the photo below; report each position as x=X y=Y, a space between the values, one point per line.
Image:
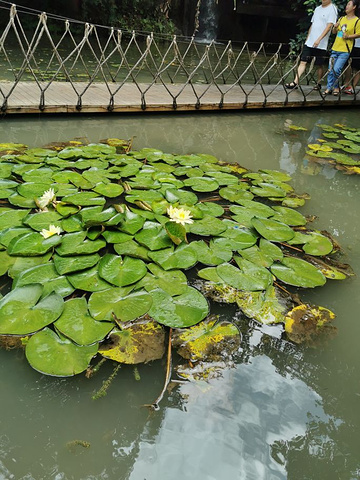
x=155 y=404
x=290 y=246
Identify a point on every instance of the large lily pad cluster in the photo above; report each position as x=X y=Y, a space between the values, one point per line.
x=106 y=250
x=339 y=146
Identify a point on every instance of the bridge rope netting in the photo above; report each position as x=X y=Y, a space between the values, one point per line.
x=56 y=49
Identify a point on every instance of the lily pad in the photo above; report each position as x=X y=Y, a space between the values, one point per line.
x=77 y=244
x=88 y=280
x=297 y=272
x=249 y=277
x=174 y=282
x=208 y=225
x=153 y=236
x=179 y=311
x=267 y=307
x=139 y=342
x=46 y=275
x=305 y=323
x=120 y=302
x=53 y=355
x=318 y=244
x=24 y=311
x=32 y=244
x=84 y=199
x=64 y=265
x=78 y=325
x=210 y=340
x=184 y=256
x=121 y=272
x=272 y=230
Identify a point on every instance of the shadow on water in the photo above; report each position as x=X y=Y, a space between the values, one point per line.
x=281 y=411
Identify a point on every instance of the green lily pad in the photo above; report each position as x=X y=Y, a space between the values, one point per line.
x=120 y=302
x=20 y=201
x=33 y=189
x=12 y=218
x=32 y=244
x=236 y=193
x=132 y=249
x=174 y=282
x=96 y=215
x=297 y=272
x=238 y=236
x=264 y=189
x=153 y=236
x=46 y=275
x=79 y=326
x=121 y=272
x=115 y=236
x=184 y=256
x=180 y=196
x=131 y=223
x=179 y=311
x=139 y=342
x=210 y=274
x=84 y=199
x=289 y=216
x=75 y=263
x=249 y=278
x=272 y=230
x=39 y=221
x=201 y=184
x=9 y=233
x=77 y=244
x=53 y=355
x=318 y=244
x=209 y=340
x=24 y=263
x=211 y=255
x=5 y=262
x=24 y=311
x=208 y=226
x=88 y=280
x=211 y=209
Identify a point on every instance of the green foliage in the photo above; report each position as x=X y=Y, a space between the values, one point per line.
x=139 y=15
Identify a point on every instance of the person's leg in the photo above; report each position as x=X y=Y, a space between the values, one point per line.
x=339 y=63
x=331 y=76
x=300 y=71
x=356 y=79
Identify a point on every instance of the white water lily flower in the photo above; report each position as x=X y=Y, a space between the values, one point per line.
x=52 y=231
x=179 y=215
x=47 y=197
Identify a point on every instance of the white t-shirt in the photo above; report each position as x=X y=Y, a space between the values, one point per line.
x=357 y=42
x=321 y=17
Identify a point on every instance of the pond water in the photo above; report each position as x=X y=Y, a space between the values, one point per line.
x=281 y=412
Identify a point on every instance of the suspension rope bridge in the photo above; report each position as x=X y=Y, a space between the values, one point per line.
x=52 y=64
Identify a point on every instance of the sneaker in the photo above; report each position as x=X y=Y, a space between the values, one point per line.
x=348 y=90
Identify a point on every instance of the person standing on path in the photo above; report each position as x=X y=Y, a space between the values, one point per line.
x=347 y=29
x=322 y=21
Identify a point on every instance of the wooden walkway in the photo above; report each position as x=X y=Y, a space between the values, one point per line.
x=60 y=97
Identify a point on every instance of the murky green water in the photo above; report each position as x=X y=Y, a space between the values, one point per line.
x=282 y=412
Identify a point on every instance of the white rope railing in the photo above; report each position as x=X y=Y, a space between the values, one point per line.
x=84 y=55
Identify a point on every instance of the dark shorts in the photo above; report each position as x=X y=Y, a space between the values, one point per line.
x=321 y=56
x=355 y=58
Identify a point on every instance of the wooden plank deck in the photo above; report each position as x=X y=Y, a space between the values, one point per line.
x=61 y=97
